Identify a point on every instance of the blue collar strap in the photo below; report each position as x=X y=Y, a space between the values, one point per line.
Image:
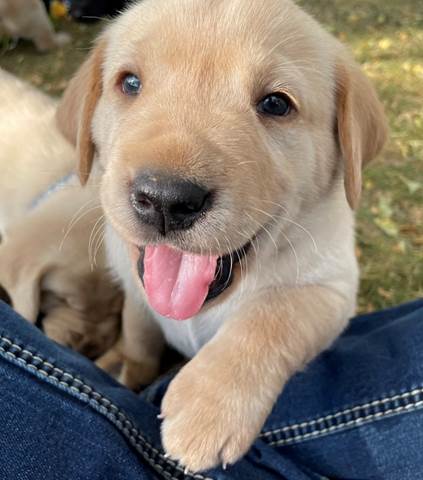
x=55 y=187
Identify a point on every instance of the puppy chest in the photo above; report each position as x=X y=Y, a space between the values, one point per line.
x=188 y=336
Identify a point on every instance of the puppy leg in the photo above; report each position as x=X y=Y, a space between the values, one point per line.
x=142 y=346
x=42 y=32
x=217 y=404
x=49 y=40
x=112 y=360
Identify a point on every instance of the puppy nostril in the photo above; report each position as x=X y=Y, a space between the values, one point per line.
x=191 y=208
x=184 y=209
x=141 y=202
x=144 y=201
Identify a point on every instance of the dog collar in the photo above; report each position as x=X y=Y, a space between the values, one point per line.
x=55 y=187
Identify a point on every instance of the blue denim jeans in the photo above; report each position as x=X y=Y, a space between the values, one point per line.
x=356 y=412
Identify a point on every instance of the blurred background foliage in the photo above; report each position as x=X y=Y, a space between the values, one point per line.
x=386 y=37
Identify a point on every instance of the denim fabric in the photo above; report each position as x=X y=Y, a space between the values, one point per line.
x=356 y=412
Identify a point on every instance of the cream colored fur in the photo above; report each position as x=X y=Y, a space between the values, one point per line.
x=42 y=269
x=287 y=183
x=29 y=19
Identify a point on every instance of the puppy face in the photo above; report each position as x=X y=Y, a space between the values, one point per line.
x=212 y=122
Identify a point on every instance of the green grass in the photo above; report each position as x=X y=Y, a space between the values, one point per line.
x=386 y=37
x=50 y=71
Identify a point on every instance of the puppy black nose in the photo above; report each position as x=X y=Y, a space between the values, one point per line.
x=168 y=202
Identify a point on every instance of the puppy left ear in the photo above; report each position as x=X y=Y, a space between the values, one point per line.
x=76 y=110
x=361 y=125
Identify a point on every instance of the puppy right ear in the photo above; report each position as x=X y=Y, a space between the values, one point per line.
x=361 y=124
x=75 y=112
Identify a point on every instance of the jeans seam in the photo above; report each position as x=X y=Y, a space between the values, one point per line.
x=81 y=390
x=410 y=400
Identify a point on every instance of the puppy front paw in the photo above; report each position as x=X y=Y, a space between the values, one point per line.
x=207 y=421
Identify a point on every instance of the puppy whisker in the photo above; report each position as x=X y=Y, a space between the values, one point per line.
x=264 y=228
x=301 y=227
x=99 y=244
x=94 y=232
x=290 y=243
x=97 y=241
x=307 y=232
x=77 y=217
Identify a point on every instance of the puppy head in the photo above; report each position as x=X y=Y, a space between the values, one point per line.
x=81 y=311
x=211 y=122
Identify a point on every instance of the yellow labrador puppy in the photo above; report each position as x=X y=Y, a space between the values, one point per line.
x=29 y=19
x=232 y=135
x=44 y=261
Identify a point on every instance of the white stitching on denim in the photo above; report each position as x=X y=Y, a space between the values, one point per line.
x=105 y=405
x=375 y=403
x=342 y=426
x=415 y=395
x=347 y=411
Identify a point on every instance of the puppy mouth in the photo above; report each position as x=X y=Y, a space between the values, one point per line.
x=178 y=283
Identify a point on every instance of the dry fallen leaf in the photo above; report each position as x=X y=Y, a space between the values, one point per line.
x=418 y=241
x=400 y=247
x=388 y=226
x=384 y=293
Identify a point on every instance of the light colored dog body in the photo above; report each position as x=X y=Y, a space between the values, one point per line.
x=282 y=190
x=29 y=19
x=33 y=154
x=44 y=260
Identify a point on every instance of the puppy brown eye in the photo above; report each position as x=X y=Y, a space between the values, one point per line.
x=131 y=84
x=277 y=104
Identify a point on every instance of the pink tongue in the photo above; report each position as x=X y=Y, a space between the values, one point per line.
x=177 y=283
